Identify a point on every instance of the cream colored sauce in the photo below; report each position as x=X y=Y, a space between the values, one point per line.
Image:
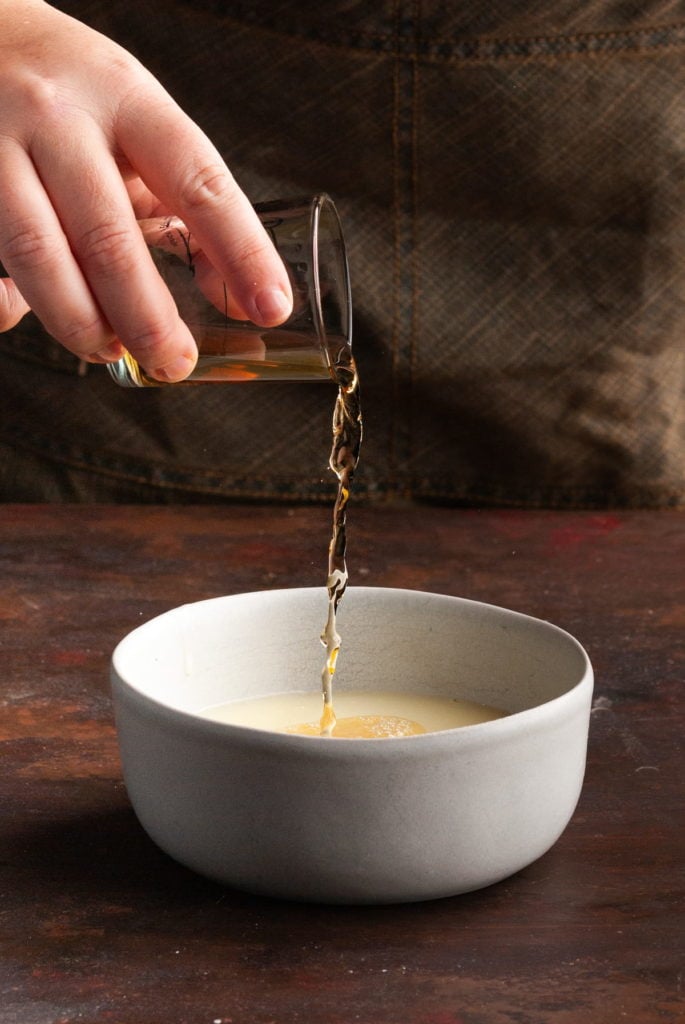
x=359 y=714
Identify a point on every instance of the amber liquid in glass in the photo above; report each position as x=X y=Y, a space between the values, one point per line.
x=237 y=355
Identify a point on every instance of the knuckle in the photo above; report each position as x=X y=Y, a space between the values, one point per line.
x=148 y=343
x=124 y=69
x=26 y=245
x=107 y=249
x=83 y=336
x=250 y=251
x=210 y=186
x=40 y=97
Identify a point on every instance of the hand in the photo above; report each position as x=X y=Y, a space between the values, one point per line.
x=90 y=143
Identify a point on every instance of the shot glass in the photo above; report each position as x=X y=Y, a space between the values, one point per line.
x=313 y=344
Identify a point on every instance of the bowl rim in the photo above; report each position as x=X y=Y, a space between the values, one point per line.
x=539 y=716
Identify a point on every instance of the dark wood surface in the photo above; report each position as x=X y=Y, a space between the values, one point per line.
x=97 y=925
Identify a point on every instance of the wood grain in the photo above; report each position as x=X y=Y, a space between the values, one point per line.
x=99 y=926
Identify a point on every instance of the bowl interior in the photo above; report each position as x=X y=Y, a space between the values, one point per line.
x=255 y=644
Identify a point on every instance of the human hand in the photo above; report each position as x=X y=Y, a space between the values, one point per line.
x=90 y=143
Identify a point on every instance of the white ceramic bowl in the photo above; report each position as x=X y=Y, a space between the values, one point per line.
x=352 y=821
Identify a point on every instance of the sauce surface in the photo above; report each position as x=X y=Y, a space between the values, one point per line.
x=359 y=714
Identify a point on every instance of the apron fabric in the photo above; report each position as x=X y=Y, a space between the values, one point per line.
x=510 y=181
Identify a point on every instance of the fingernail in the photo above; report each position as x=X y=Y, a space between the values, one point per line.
x=272 y=305
x=177 y=369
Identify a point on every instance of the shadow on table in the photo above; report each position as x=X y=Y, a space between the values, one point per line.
x=104 y=858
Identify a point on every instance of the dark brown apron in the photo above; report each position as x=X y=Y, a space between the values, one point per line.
x=510 y=179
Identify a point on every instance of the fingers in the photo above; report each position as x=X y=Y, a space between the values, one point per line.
x=87 y=137
x=35 y=252
x=76 y=254
x=193 y=181
x=171 y=235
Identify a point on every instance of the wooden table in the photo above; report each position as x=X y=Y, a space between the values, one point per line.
x=97 y=925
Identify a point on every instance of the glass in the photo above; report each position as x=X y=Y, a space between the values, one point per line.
x=313 y=344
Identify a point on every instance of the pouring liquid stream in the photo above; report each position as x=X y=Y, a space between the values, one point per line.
x=365 y=714
x=347 y=437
